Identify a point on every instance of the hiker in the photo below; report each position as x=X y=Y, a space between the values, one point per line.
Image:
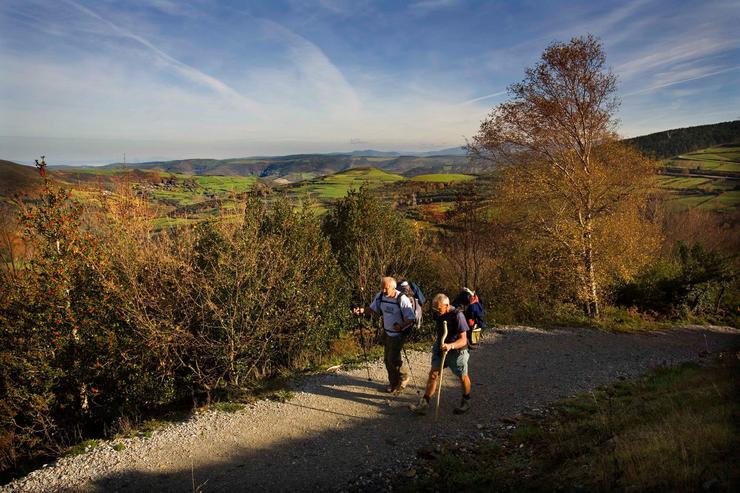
x=468 y=302
x=455 y=344
x=398 y=316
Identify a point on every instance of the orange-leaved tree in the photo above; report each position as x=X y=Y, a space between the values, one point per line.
x=564 y=171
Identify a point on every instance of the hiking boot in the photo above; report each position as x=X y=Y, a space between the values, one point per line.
x=463 y=407
x=390 y=388
x=404 y=383
x=420 y=408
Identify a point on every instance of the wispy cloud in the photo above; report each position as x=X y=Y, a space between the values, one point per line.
x=189 y=72
x=671 y=52
x=481 y=98
x=317 y=71
x=676 y=79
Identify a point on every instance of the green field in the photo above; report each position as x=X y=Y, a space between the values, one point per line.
x=222 y=184
x=724 y=158
x=717 y=193
x=443 y=177
x=337 y=185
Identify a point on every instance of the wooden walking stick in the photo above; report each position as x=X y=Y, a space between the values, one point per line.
x=441 y=368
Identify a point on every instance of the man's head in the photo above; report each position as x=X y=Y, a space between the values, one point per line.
x=441 y=304
x=388 y=286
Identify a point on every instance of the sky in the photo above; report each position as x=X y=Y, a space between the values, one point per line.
x=85 y=81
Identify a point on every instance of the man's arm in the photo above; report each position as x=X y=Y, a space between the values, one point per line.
x=372 y=309
x=460 y=343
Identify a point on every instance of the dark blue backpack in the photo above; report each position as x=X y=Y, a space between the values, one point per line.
x=417 y=292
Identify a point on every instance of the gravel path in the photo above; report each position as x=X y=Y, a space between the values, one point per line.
x=340 y=426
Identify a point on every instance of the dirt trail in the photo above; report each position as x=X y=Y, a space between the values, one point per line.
x=339 y=426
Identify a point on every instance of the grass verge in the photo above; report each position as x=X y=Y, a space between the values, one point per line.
x=673 y=430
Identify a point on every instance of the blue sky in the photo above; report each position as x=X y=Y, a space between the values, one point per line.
x=84 y=81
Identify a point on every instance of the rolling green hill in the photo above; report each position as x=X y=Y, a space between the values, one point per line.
x=443 y=177
x=337 y=185
x=299 y=167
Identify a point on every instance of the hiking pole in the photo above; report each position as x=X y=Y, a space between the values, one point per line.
x=441 y=369
x=411 y=370
x=364 y=351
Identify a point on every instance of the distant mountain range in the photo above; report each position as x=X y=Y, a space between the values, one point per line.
x=452 y=160
x=302 y=166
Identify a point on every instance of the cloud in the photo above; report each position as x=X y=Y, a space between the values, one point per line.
x=487 y=96
x=671 y=52
x=317 y=71
x=189 y=72
x=431 y=5
x=681 y=77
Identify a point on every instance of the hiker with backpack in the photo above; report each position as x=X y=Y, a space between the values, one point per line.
x=398 y=318
x=450 y=350
x=469 y=303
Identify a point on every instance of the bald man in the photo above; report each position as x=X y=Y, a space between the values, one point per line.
x=398 y=316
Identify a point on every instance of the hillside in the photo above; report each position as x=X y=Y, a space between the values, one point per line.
x=305 y=166
x=677 y=141
x=17 y=178
x=338 y=184
x=707 y=179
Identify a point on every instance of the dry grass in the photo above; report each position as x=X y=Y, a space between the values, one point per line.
x=673 y=430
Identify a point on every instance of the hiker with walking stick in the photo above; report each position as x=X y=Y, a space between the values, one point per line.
x=398 y=317
x=450 y=350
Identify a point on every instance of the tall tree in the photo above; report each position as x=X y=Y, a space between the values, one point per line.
x=573 y=181
x=370 y=239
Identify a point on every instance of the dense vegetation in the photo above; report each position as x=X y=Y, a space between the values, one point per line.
x=677 y=141
x=102 y=320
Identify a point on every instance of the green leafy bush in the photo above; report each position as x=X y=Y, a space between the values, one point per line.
x=230 y=301
x=693 y=280
x=69 y=361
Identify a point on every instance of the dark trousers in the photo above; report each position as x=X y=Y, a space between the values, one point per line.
x=393 y=360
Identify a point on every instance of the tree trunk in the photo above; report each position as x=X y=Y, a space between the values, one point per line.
x=592 y=300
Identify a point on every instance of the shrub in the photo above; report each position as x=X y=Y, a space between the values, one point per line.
x=68 y=360
x=236 y=299
x=370 y=239
x=693 y=280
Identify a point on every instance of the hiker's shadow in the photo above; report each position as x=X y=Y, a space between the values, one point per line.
x=355 y=389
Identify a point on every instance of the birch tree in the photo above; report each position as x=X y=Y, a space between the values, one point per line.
x=563 y=166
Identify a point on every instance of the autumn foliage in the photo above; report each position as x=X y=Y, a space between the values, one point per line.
x=105 y=319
